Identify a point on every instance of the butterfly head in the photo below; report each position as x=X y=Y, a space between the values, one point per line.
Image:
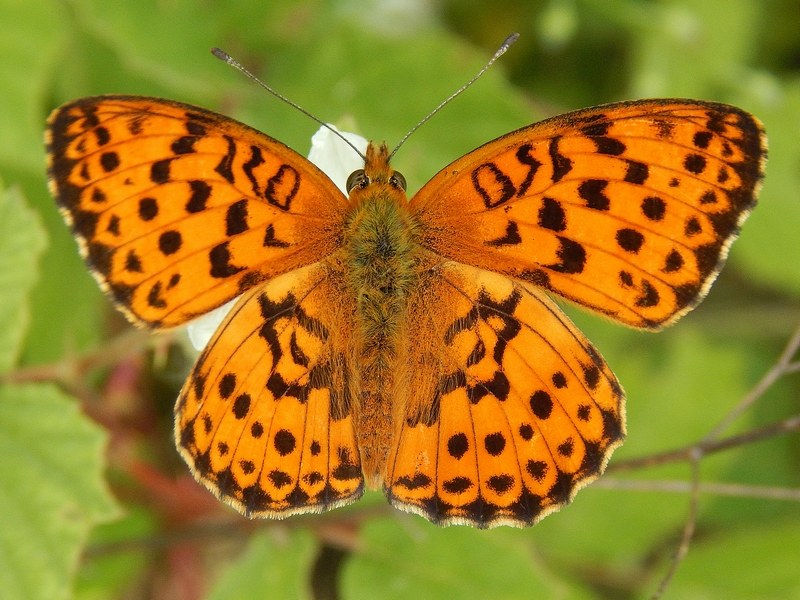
x=376 y=172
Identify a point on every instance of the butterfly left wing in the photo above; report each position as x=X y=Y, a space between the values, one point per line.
x=264 y=420
x=508 y=410
x=627 y=209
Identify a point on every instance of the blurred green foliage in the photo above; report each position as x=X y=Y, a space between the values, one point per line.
x=377 y=67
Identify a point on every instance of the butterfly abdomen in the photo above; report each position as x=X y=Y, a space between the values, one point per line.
x=380 y=257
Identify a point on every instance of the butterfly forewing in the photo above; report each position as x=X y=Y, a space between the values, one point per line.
x=178 y=209
x=627 y=209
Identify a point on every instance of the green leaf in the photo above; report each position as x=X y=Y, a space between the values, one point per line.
x=51 y=490
x=741 y=563
x=116 y=555
x=30 y=38
x=411 y=559
x=274 y=565
x=22 y=241
x=690 y=47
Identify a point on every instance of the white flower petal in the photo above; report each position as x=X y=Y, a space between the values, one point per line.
x=202 y=329
x=337 y=160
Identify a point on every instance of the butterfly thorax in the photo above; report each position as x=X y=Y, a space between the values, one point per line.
x=381 y=252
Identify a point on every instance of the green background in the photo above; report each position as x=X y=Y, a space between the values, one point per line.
x=94 y=501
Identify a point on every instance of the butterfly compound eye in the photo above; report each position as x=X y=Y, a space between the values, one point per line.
x=357 y=179
x=398 y=181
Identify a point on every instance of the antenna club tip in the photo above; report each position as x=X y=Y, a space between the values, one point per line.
x=508 y=42
x=221 y=54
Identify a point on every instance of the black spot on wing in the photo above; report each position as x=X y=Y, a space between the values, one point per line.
x=510 y=238
x=562 y=165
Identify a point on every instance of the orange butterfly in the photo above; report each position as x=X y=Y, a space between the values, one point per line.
x=403 y=344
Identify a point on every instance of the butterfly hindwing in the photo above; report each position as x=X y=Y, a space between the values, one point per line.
x=627 y=209
x=510 y=409
x=178 y=209
x=265 y=419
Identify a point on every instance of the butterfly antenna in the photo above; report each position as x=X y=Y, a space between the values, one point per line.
x=227 y=58
x=507 y=43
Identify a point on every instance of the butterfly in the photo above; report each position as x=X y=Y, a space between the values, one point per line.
x=409 y=345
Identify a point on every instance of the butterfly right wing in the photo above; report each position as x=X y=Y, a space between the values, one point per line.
x=177 y=209
x=264 y=420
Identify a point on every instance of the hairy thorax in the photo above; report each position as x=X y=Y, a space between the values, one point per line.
x=383 y=261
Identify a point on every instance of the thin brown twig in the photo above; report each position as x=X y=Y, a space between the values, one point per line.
x=783 y=366
x=711 y=443
x=679 y=486
x=688 y=529
x=684 y=454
